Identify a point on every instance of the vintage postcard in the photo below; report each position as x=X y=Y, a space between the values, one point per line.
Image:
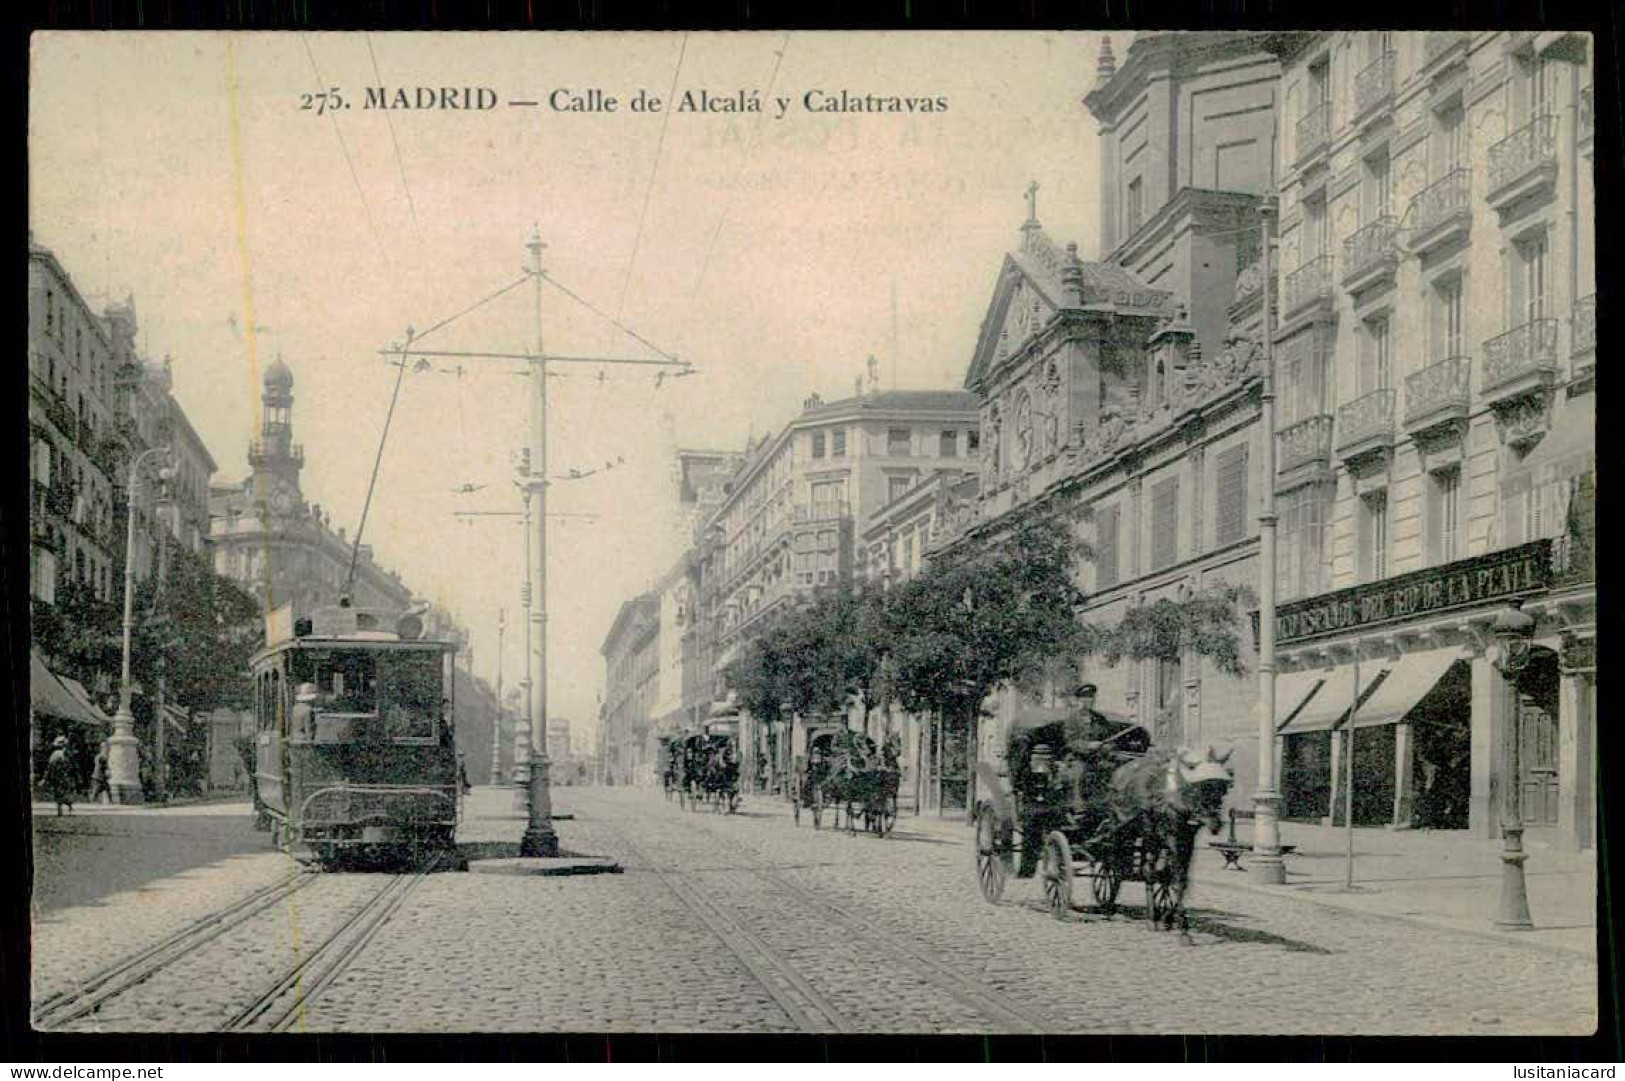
x=791 y=532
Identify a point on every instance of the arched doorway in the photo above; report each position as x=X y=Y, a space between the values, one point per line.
x=1537 y=715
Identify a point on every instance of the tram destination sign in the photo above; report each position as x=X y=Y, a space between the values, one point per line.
x=1466 y=583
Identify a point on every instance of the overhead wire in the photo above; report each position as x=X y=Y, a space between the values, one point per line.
x=400 y=163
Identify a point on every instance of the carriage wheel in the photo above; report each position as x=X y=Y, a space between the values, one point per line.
x=1160 y=874
x=1104 y=886
x=1056 y=872
x=992 y=857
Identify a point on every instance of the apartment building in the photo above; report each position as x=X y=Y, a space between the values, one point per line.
x=1436 y=346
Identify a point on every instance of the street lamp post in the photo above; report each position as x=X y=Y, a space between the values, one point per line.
x=123 y=750
x=1513 y=628
x=1267 y=865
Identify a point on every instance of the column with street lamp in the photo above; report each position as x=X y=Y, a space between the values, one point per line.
x=123 y=754
x=1267 y=865
x=1513 y=629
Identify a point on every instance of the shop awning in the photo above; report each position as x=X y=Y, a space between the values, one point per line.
x=1330 y=704
x=65 y=699
x=1405 y=684
x=1293 y=691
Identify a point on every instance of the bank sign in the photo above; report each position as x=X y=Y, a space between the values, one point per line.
x=1511 y=572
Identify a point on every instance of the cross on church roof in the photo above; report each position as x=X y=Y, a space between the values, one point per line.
x=1032 y=201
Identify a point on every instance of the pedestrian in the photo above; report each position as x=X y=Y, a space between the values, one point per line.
x=101 y=774
x=60 y=783
x=462 y=772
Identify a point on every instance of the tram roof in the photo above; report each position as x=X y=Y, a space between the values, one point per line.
x=373 y=640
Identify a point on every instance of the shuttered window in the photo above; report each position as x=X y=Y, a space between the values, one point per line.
x=1165 y=523
x=1105 y=547
x=1232 y=496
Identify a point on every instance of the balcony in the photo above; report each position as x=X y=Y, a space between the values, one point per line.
x=1441 y=211
x=1306 y=443
x=1583 y=333
x=1523 y=163
x=1374 y=88
x=1442 y=49
x=1371 y=255
x=261 y=450
x=1306 y=287
x=1365 y=426
x=1520 y=361
x=1314 y=132
x=1438 y=396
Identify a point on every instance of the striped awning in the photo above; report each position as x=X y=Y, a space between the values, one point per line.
x=64 y=699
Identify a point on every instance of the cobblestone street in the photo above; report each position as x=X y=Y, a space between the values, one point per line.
x=747 y=923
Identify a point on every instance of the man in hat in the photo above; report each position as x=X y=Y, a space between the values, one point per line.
x=100 y=775
x=59 y=782
x=304 y=712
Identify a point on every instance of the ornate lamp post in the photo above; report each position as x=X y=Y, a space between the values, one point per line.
x=1513 y=628
x=123 y=752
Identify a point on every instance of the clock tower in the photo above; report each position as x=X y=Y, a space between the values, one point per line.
x=273 y=456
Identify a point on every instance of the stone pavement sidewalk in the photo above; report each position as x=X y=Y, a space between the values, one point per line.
x=1443 y=879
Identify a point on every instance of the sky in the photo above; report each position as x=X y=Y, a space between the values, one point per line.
x=184 y=171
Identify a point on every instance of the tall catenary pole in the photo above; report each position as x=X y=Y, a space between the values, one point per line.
x=1267 y=866
x=521 y=732
x=496 y=723
x=540 y=838
x=123 y=750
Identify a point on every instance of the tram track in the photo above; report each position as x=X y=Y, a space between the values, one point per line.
x=281 y=1005
x=809 y=1009
x=67 y=1006
x=944 y=979
x=1003 y=1016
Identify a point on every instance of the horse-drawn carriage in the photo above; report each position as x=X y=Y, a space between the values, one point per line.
x=1084 y=794
x=706 y=768
x=669 y=761
x=847 y=771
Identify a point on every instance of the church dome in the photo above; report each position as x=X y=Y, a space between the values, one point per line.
x=278 y=376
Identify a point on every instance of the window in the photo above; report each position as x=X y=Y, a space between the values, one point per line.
x=1528 y=281
x=838 y=443
x=1444 y=516
x=1375 y=192
x=1317 y=230
x=1136 y=203
x=896 y=487
x=1231 y=496
x=1164 y=523
x=1320 y=85
x=1375 y=373
x=1304 y=517
x=1536 y=92
x=1106 y=547
x=897 y=442
x=908 y=551
x=1166 y=693
x=948 y=445
x=1447 y=318
x=1303 y=374
x=818 y=444
x=973 y=441
x=1374 y=537
x=1449 y=141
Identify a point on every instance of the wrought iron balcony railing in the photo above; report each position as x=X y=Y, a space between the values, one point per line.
x=1304 y=443
x=1519 y=352
x=1585 y=324
x=1309 y=283
x=1440 y=391
x=261 y=448
x=1367 y=420
x=1371 y=247
x=1375 y=84
x=1314 y=129
x=1529 y=148
x=1444 y=199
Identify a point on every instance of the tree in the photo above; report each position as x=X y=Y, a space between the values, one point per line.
x=1203 y=622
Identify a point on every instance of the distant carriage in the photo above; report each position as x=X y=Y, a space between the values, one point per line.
x=668 y=759
x=706 y=772
x=362 y=764
x=846 y=771
x=1086 y=795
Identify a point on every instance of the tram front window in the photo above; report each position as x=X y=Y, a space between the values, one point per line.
x=412 y=694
